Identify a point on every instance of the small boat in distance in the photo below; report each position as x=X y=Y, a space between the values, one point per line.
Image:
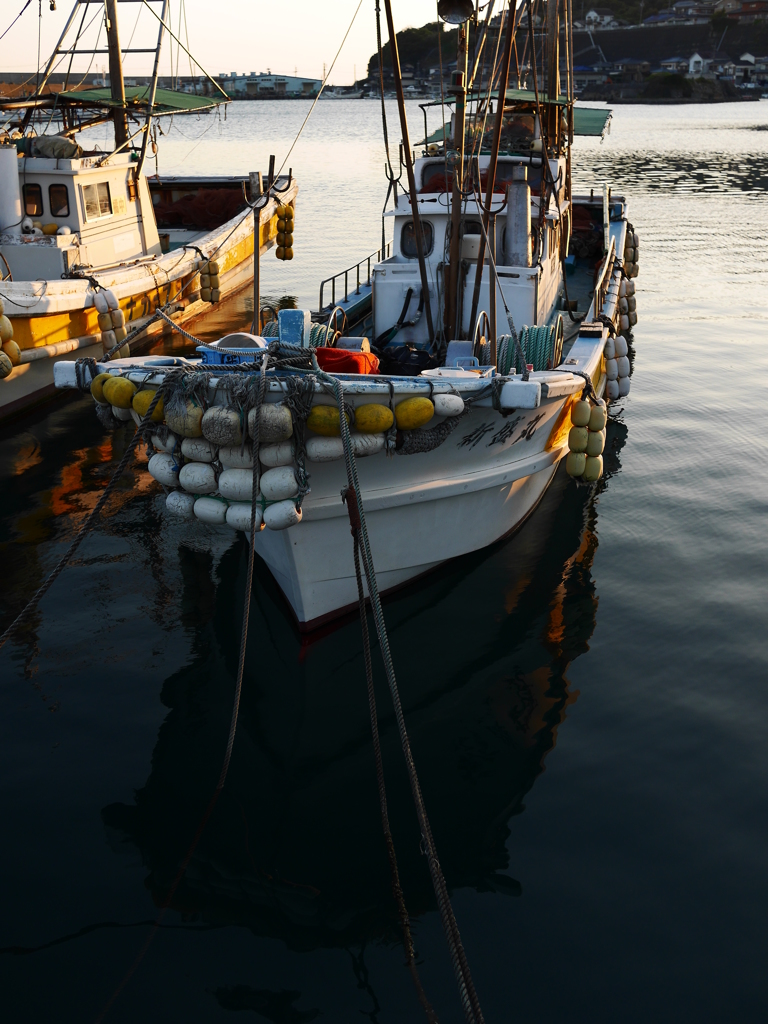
x=74 y=221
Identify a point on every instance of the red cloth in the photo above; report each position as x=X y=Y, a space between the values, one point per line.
x=339 y=360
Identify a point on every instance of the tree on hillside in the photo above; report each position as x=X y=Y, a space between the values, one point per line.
x=417 y=46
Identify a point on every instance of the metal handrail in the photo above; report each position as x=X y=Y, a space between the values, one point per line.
x=605 y=274
x=377 y=256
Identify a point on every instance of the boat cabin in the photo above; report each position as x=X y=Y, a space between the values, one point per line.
x=74 y=214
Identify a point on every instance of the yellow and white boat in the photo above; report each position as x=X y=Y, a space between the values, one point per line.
x=73 y=223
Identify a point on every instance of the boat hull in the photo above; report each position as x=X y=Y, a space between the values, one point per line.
x=313 y=562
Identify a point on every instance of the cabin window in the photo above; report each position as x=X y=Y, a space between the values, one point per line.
x=33 y=201
x=96 y=201
x=408 y=239
x=58 y=200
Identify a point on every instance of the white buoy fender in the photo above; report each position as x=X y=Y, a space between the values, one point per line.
x=448 y=405
x=181 y=504
x=164 y=469
x=282 y=515
x=623 y=364
x=198 y=478
x=276 y=423
x=272 y=455
x=111 y=298
x=121 y=414
x=632 y=304
x=611 y=369
x=325 y=449
x=100 y=302
x=279 y=483
x=197 y=449
x=623 y=306
x=630 y=287
x=610 y=349
x=221 y=426
x=236 y=484
x=632 y=319
x=239 y=516
x=233 y=458
x=211 y=510
x=165 y=446
x=624 y=322
x=612 y=389
x=621 y=347
x=623 y=287
x=369 y=444
x=624 y=386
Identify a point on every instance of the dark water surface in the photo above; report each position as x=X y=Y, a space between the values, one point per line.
x=618 y=640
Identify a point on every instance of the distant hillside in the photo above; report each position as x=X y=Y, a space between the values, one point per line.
x=418 y=47
x=657 y=44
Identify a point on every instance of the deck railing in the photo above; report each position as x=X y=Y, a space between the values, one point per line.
x=375 y=257
x=605 y=276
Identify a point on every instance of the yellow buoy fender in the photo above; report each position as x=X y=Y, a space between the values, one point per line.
x=275 y=423
x=279 y=483
x=282 y=515
x=2 y=307
x=595 y=443
x=181 y=504
x=119 y=391
x=236 y=484
x=97 y=388
x=211 y=510
x=575 y=463
x=367 y=444
x=272 y=455
x=198 y=478
x=108 y=340
x=594 y=468
x=197 y=449
x=580 y=416
x=324 y=419
x=325 y=449
x=6 y=329
x=448 y=405
x=164 y=468
x=6 y=366
x=598 y=417
x=577 y=439
x=374 y=419
x=233 y=458
x=142 y=401
x=185 y=419
x=105 y=321
x=118 y=318
x=239 y=516
x=414 y=413
x=221 y=426
x=13 y=352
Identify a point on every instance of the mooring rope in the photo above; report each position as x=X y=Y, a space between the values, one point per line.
x=469 y=1000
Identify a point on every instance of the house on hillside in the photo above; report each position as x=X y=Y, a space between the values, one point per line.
x=585 y=75
x=630 y=69
x=601 y=17
x=712 y=63
x=751 y=10
x=674 y=65
x=728 y=6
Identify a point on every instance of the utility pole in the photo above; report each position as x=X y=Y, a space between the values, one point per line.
x=452 y=327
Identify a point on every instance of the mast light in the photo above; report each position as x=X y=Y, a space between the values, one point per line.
x=455 y=12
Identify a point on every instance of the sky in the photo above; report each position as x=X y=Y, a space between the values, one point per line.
x=285 y=36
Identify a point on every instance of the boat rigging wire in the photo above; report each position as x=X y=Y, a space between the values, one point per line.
x=320 y=92
x=26 y=5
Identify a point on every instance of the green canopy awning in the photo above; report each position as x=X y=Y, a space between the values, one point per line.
x=586 y=121
x=167 y=101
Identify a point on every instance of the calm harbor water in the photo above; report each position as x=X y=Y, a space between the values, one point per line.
x=617 y=641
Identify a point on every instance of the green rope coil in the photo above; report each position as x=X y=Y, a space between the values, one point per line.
x=543 y=347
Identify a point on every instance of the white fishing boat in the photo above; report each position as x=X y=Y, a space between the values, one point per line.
x=468 y=387
x=75 y=221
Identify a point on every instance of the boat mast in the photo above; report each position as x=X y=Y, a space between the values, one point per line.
x=409 y=167
x=116 y=82
x=452 y=326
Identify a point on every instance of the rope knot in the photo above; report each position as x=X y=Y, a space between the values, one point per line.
x=349 y=497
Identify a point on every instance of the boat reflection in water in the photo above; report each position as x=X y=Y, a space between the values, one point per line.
x=294 y=848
